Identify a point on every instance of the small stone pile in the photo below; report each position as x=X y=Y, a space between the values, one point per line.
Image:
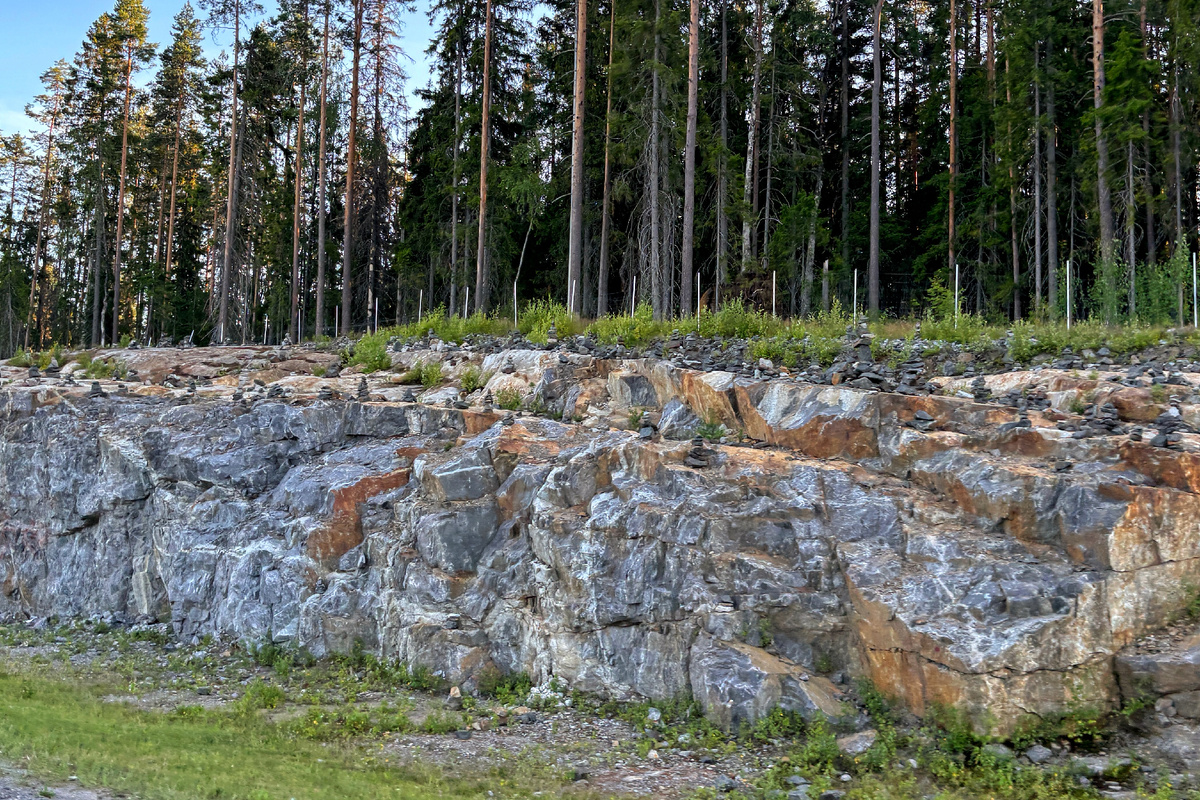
x=698 y=456
x=980 y=391
x=1171 y=428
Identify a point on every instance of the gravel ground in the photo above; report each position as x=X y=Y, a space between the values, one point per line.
x=15 y=785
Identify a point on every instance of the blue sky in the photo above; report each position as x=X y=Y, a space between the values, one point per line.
x=36 y=33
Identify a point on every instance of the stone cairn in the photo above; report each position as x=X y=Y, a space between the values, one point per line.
x=698 y=456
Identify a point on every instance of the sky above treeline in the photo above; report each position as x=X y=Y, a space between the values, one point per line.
x=36 y=33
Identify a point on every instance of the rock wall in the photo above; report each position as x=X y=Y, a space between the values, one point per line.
x=926 y=542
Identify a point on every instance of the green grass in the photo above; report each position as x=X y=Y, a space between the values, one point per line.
x=789 y=343
x=59 y=729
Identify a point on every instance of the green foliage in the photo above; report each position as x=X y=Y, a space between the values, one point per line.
x=152 y=635
x=453 y=328
x=427 y=374
x=819 y=753
x=508 y=399
x=371 y=353
x=259 y=695
x=535 y=405
x=712 y=430
x=439 y=722
x=510 y=689
x=1191 y=606
x=777 y=724
x=22 y=358
x=342 y=723
x=473 y=379
x=535 y=321
x=939 y=301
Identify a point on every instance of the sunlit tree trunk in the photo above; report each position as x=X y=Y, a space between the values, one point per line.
x=351 y=158
x=231 y=188
x=294 y=321
x=320 y=310
x=575 y=243
x=116 y=331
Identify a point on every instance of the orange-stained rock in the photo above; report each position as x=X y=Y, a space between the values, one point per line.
x=711 y=396
x=343 y=531
x=1135 y=405
x=1171 y=468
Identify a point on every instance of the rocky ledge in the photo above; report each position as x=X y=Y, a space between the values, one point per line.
x=1000 y=544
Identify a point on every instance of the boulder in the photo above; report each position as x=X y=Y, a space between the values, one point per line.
x=735 y=684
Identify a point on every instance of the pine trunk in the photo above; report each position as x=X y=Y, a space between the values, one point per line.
x=845 y=109
x=750 y=186
x=602 y=279
x=37 y=249
x=723 y=165
x=876 y=91
x=1012 y=208
x=121 y=198
x=320 y=310
x=1131 y=230
x=575 y=243
x=656 y=288
x=951 y=254
x=1104 y=193
x=481 y=261
x=351 y=157
x=689 y=163
x=294 y=320
x=1037 y=183
x=454 y=180
x=1052 y=193
x=231 y=186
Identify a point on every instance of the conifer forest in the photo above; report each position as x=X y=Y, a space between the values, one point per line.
x=276 y=169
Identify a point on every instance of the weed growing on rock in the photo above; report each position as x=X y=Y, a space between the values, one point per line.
x=428 y=374
x=711 y=430
x=509 y=399
x=473 y=379
x=371 y=353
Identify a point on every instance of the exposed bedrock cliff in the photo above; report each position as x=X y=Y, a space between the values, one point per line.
x=953 y=562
